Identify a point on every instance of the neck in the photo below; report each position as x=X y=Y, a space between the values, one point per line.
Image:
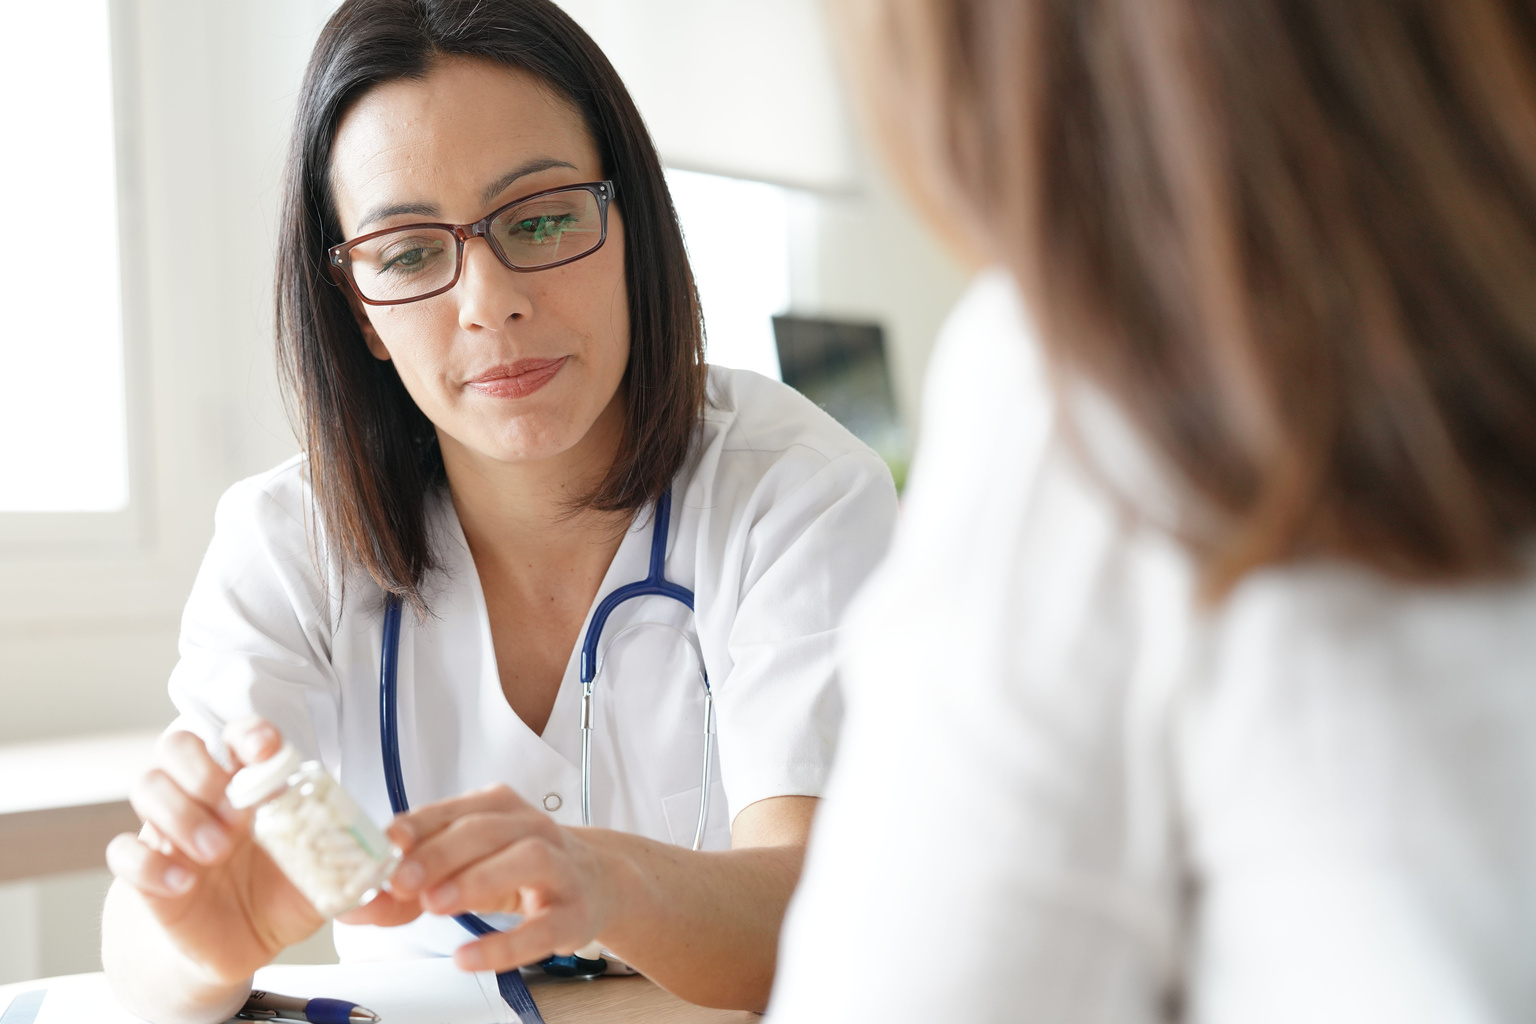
x=520 y=512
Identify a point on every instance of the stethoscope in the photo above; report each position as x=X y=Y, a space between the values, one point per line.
x=591 y=667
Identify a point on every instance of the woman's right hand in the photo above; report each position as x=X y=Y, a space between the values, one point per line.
x=221 y=900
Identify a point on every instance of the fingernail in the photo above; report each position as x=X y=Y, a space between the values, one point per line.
x=469 y=958
x=410 y=875
x=210 y=842
x=444 y=895
x=178 y=879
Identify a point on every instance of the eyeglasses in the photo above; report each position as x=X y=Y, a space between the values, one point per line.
x=417 y=261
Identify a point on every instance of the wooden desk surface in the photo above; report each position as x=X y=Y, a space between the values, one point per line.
x=632 y=1000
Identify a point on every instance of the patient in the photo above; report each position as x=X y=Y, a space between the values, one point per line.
x=1201 y=682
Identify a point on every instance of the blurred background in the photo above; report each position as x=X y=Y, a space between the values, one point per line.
x=145 y=140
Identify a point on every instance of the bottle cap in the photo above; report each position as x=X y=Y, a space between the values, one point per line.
x=254 y=783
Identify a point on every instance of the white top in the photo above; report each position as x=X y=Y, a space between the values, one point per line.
x=777 y=519
x=1064 y=794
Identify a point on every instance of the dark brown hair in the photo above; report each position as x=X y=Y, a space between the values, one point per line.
x=1294 y=240
x=372 y=454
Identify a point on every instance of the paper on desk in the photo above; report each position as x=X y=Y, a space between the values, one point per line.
x=78 y=998
x=400 y=992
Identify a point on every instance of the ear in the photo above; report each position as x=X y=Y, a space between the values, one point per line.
x=360 y=314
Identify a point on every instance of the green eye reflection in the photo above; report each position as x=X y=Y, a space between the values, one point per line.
x=543 y=228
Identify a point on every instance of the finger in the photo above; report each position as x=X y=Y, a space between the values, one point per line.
x=185 y=758
x=147 y=870
x=252 y=739
x=530 y=942
x=151 y=837
x=412 y=827
x=386 y=910
x=463 y=842
x=520 y=879
x=191 y=826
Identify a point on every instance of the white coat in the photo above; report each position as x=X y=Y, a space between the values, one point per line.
x=777 y=518
x=1067 y=793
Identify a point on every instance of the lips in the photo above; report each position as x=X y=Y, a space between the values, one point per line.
x=516 y=380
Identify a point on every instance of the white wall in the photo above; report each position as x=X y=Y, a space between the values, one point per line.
x=745 y=88
x=88 y=631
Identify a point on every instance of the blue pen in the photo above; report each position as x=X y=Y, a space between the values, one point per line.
x=271 y=1006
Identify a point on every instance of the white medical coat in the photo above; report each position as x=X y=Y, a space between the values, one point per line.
x=777 y=518
x=1068 y=793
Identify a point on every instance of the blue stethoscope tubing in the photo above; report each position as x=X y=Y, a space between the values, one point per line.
x=655 y=584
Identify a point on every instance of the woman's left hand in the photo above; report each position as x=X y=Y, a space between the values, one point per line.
x=491 y=851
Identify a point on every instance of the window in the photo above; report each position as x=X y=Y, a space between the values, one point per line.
x=62 y=395
x=739 y=247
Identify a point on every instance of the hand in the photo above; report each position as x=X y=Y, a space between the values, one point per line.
x=222 y=901
x=491 y=851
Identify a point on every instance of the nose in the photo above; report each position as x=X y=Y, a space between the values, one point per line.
x=489 y=293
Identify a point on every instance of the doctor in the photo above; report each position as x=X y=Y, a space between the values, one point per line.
x=488 y=325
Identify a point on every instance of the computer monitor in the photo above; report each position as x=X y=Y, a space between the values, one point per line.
x=841 y=366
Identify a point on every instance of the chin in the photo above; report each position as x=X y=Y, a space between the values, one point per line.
x=531 y=446
x=532 y=436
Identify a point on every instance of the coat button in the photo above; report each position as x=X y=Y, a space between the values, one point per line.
x=552 y=801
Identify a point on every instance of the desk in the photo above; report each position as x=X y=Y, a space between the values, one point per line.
x=632 y=1000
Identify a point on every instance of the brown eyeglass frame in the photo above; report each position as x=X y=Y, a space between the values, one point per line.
x=341 y=267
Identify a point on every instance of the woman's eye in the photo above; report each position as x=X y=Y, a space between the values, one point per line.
x=409 y=258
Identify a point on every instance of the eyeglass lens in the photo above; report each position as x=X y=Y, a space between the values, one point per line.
x=414 y=261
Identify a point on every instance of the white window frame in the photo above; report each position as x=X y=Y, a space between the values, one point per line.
x=53 y=533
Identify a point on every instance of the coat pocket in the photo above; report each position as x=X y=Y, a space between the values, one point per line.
x=681 y=811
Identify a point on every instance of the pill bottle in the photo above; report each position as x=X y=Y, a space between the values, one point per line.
x=314 y=831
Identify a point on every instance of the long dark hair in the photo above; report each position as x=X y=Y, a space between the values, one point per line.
x=1295 y=240
x=373 y=457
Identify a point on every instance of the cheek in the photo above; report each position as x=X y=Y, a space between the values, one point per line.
x=417 y=337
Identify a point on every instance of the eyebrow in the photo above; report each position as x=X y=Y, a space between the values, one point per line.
x=493 y=190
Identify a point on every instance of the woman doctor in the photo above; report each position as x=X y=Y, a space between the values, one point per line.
x=488 y=325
